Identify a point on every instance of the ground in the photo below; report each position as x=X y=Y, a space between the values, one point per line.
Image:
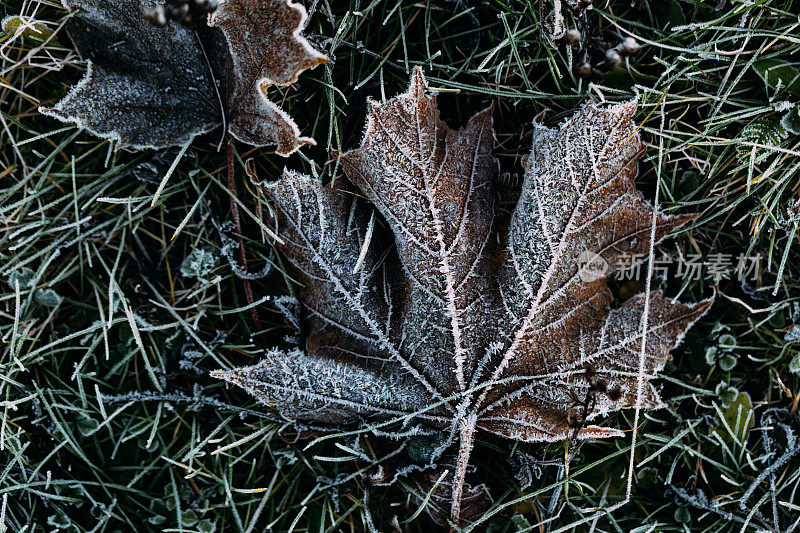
x=110 y=322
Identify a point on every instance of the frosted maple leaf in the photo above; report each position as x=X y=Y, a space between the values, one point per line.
x=477 y=321
x=148 y=86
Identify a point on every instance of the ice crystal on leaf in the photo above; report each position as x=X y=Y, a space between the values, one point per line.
x=479 y=320
x=149 y=87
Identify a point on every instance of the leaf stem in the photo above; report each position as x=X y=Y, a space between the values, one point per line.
x=248 y=290
x=466 y=438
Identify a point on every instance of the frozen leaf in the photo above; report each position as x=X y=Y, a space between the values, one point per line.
x=23 y=277
x=151 y=86
x=794 y=364
x=25 y=27
x=682 y=515
x=726 y=393
x=47 y=297
x=791 y=121
x=320 y=388
x=266 y=50
x=778 y=75
x=474 y=320
x=737 y=419
x=727 y=362
x=199 y=263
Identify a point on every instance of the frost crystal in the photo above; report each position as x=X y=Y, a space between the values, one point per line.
x=479 y=321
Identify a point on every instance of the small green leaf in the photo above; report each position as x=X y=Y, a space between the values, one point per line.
x=726 y=394
x=794 y=365
x=738 y=417
x=189 y=517
x=30 y=29
x=727 y=341
x=647 y=475
x=47 y=297
x=777 y=320
x=676 y=14
x=520 y=523
x=682 y=515
x=791 y=121
x=86 y=425
x=23 y=276
x=206 y=526
x=711 y=355
x=779 y=75
x=59 y=520
x=198 y=264
x=727 y=362
x=284 y=456
x=157 y=520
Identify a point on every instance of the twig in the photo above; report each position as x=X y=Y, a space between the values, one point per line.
x=248 y=290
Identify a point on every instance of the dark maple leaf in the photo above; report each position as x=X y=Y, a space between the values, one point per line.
x=151 y=86
x=488 y=322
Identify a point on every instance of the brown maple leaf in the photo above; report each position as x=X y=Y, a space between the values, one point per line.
x=479 y=321
x=152 y=86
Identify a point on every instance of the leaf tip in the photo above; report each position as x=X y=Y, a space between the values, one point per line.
x=285 y=150
x=485 y=117
x=703 y=306
x=626 y=109
x=231 y=376
x=418 y=85
x=599 y=432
